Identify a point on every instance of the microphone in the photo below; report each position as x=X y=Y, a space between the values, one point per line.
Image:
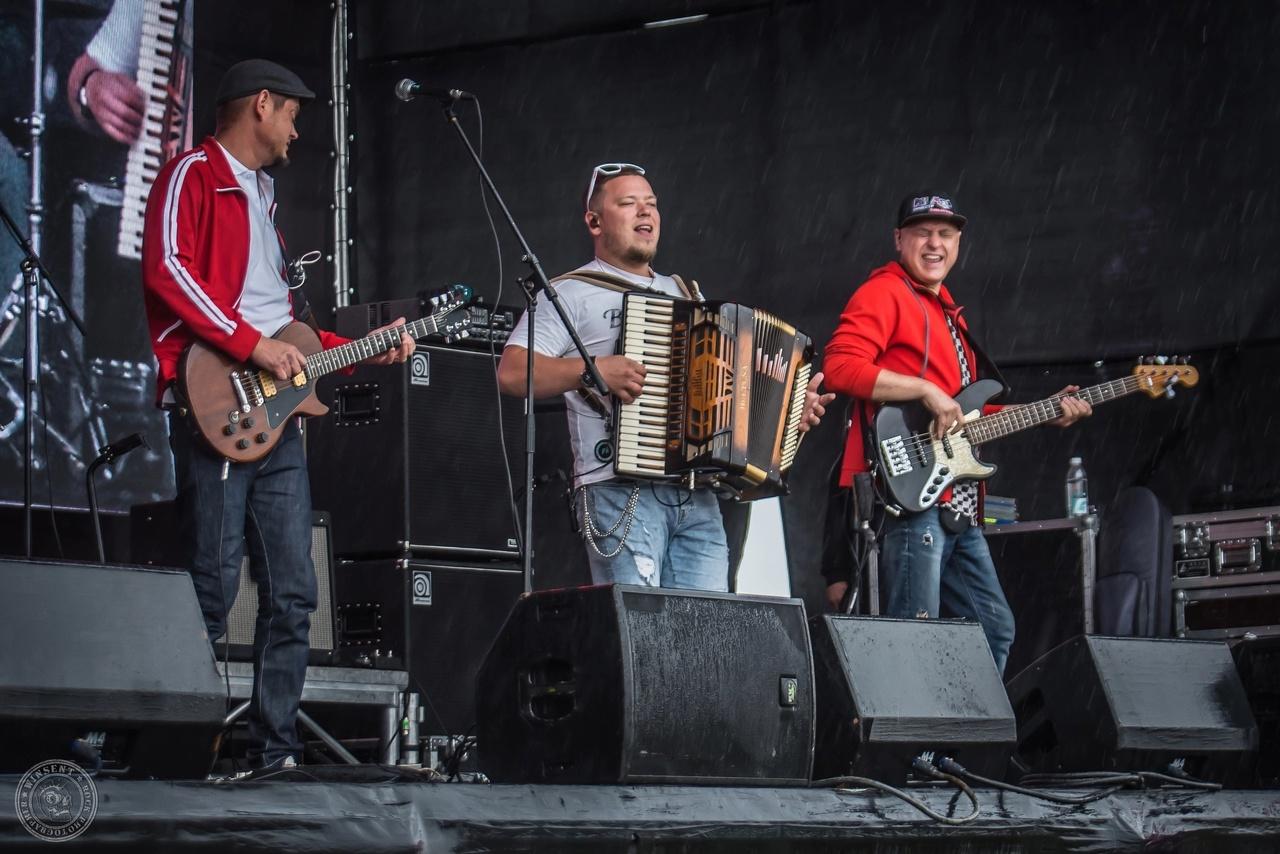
x=119 y=448
x=407 y=90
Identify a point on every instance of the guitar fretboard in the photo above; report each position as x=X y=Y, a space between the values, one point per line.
x=328 y=361
x=1022 y=417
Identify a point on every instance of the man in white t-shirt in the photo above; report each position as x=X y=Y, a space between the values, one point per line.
x=645 y=533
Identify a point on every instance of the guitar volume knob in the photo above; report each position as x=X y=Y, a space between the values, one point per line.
x=247 y=422
x=243 y=444
x=229 y=430
x=261 y=438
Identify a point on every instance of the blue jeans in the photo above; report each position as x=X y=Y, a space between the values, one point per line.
x=676 y=538
x=265 y=505
x=926 y=569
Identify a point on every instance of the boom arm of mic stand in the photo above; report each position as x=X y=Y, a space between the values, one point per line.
x=31 y=257
x=539 y=277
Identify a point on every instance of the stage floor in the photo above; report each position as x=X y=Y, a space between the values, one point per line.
x=371 y=809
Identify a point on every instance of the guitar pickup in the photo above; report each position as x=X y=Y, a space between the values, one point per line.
x=268 y=384
x=894 y=451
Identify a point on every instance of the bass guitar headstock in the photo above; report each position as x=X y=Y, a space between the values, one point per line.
x=1159 y=376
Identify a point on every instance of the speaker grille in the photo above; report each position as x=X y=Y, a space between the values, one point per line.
x=440 y=487
x=243 y=616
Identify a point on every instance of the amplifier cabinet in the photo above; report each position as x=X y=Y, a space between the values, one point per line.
x=434 y=619
x=154 y=541
x=411 y=458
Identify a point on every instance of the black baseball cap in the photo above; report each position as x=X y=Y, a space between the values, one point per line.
x=253 y=75
x=918 y=206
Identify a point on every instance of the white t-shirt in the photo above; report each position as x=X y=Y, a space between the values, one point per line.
x=264 y=302
x=596 y=313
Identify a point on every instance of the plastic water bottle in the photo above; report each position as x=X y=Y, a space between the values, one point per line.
x=1077 y=489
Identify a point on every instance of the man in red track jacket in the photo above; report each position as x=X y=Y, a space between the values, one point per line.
x=901 y=337
x=213 y=270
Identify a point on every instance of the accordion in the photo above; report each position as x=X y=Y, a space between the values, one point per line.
x=723 y=395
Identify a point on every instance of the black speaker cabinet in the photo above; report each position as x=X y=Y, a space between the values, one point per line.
x=410 y=460
x=1258 y=662
x=618 y=684
x=114 y=654
x=154 y=540
x=890 y=689
x=434 y=619
x=1135 y=704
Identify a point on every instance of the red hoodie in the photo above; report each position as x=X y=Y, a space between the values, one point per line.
x=883 y=327
x=195 y=252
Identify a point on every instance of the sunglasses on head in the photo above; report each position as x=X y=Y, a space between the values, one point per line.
x=609 y=170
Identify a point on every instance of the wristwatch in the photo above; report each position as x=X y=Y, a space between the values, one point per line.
x=588 y=381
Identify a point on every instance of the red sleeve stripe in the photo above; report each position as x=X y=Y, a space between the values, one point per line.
x=194 y=292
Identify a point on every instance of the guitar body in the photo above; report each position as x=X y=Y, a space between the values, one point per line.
x=917 y=472
x=209 y=381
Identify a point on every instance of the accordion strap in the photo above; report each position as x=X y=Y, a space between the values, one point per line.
x=610 y=282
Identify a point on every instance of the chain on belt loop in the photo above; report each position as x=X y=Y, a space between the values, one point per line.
x=591 y=532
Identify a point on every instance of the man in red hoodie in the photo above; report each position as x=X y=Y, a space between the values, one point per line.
x=213 y=270
x=901 y=337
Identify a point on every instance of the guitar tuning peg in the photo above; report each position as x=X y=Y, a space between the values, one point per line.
x=1162 y=360
x=1184 y=360
x=1170 y=391
x=1144 y=360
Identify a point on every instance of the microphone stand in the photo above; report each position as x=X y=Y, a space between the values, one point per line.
x=533 y=283
x=33 y=270
x=106 y=454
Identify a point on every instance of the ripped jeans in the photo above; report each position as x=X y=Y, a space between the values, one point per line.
x=925 y=568
x=676 y=539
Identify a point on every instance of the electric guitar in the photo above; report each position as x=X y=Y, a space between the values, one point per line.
x=917 y=468
x=241 y=410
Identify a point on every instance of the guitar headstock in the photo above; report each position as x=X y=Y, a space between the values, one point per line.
x=449 y=311
x=1159 y=376
x=445 y=301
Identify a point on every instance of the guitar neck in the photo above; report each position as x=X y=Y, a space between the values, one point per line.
x=1022 y=417
x=328 y=361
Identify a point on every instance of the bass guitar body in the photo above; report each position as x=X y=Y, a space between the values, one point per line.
x=916 y=466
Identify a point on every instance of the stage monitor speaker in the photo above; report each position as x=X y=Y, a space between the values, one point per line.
x=889 y=690
x=1258 y=663
x=411 y=458
x=1135 y=704
x=155 y=541
x=434 y=619
x=618 y=684
x=114 y=654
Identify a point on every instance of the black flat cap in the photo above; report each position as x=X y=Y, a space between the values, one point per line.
x=253 y=75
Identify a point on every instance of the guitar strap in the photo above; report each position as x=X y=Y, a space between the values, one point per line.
x=294 y=276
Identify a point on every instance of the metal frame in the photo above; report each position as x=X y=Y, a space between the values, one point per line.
x=1086 y=528
x=350 y=686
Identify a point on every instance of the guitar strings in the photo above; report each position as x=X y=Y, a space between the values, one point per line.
x=918 y=441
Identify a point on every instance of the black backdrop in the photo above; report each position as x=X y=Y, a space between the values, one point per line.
x=1114 y=160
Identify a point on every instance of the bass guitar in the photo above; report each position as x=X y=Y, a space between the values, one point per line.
x=917 y=468
x=241 y=410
